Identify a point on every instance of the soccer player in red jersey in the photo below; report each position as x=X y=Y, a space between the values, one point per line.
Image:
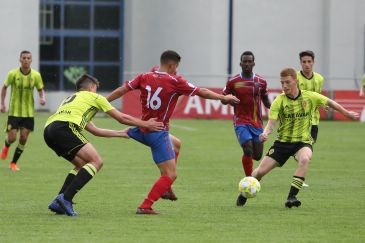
x=176 y=144
x=251 y=89
x=159 y=93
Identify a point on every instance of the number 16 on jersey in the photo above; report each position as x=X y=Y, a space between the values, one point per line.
x=153 y=102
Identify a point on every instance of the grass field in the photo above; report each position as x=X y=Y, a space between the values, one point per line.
x=209 y=169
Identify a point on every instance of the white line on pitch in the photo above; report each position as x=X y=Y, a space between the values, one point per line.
x=183 y=127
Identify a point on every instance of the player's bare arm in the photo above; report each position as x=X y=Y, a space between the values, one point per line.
x=117 y=93
x=42 y=97
x=266 y=101
x=349 y=114
x=208 y=94
x=268 y=130
x=151 y=124
x=3 y=95
x=101 y=132
x=223 y=102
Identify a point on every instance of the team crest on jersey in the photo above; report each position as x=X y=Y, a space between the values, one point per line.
x=239 y=85
x=304 y=104
x=271 y=151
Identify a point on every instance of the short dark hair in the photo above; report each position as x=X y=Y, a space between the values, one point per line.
x=24 y=52
x=306 y=53
x=85 y=81
x=247 y=53
x=170 y=55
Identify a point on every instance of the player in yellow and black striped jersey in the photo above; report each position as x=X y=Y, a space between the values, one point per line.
x=62 y=133
x=311 y=81
x=22 y=81
x=293 y=109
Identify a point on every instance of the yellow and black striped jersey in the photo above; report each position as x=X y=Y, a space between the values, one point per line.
x=295 y=115
x=21 y=97
x=315 y=84
x=80 y=108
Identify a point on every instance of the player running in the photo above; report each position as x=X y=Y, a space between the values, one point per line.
x=251 y=89
x=22 y=81
x=62 y=133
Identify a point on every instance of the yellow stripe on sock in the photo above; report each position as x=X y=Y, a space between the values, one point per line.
x=90 y=168
x=297 y=183
x=21 y=146
x=73 y=171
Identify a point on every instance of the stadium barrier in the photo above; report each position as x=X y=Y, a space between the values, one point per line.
x=198 y=108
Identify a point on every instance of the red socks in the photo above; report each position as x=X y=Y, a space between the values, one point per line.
x=247 y=163
x=160 y=186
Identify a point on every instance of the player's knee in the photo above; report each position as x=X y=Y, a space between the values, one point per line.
x=304 y=160
x=247 y=150
x=11 y=139
x=177 y=145
x=98 y=163
x=23 y=139
x=172 y=175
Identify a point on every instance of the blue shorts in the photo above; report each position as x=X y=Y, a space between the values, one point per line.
x=159 y=142
x=247 y=132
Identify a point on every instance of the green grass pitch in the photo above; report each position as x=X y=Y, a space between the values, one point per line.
x=209 y=169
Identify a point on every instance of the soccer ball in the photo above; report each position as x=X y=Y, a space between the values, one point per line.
x=249 y=187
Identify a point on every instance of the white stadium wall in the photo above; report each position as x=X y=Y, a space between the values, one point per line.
x=19 y=31
x=197 y=29
x=276 y=31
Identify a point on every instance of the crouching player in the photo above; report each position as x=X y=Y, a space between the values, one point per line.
x=62 y=133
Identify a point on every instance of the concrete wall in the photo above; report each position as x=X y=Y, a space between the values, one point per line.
x=19 y=25
x=276 y=31
x=345 y=54
x=197 y=29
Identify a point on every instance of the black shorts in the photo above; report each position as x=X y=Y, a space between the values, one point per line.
x=20 y=122
x=314 y=132
x=281 y=151
x=64 y=138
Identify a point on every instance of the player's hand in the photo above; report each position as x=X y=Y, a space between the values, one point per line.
x=231 y=99
x=353 y=115
x=326 y=108
x=263 y=137
x=154 y=126
x=124 y=133
x=3 y=108
x=42 y=101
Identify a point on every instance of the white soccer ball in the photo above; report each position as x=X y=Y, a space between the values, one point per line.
x=249 y=187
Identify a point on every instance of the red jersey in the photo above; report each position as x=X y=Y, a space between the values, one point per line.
x=250 y=92
x=159 y=94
